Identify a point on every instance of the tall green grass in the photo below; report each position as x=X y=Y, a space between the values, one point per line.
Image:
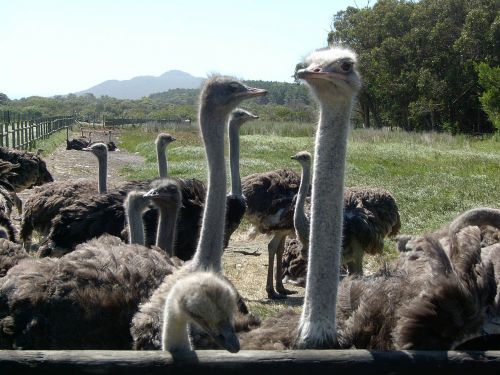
x=433 y=176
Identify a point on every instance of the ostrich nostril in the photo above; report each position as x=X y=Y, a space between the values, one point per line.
x=317 y=70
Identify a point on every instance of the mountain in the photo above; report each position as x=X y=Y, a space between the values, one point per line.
x=138 y=87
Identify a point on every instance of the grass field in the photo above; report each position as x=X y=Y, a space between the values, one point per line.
x=433 y=176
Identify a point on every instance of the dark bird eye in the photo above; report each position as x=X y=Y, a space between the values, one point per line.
x=345 y=66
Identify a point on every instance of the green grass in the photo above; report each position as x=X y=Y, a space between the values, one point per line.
x=433 y=176
x=51 y=143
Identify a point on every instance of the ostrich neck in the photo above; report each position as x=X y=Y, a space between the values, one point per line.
x=318 y=320
x=175 y=335
x=161 y=154
x=166 y=229
x=103 y=172
x=209 y=252
x=300 y=220
x=136 y=228
x=234 y=158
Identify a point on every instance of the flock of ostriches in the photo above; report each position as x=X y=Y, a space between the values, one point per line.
x=139 y=265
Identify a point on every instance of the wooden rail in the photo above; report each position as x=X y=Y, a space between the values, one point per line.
x=217 y=362
x=23 y=134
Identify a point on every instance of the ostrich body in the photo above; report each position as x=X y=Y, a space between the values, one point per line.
x=218 y=97
x=370 y=215
x=77 y=143
x=236 y=205
x=8 y=198
x=93 y=291
x=31 y=170
x=424 y=300
x=11 y=254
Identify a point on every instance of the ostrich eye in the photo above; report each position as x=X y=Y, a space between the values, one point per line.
x=234 y=86
x=346 y=67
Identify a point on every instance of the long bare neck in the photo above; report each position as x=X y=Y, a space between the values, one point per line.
x=317 y=326
x=175 y=335
x=103 y=173
x=161 y=154
x=300 y=220
x=134 y=219
x=209 y=251
x=165 y=235
x=234 y=158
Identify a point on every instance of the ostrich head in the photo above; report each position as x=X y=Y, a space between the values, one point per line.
x=223 y=93
x=98 y=149
x=331 y=71
x=208 y=301
x=164 y=139
x=303 y=157
x=165 y=193
x=239 y=116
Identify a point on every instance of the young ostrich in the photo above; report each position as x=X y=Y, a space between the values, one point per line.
x=47 y=201
x=236 y=205
x=31 y=171
x=94 y=290
x=218 y=97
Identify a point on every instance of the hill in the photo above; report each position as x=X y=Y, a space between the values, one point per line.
x=138 y=87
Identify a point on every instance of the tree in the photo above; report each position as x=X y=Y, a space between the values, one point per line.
x=489 y=79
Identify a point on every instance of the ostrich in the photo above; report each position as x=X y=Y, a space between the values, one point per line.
x=94 y=290
x=294 y=262
x=269 y=197
x=11 y=253
x=425 y=300
x=235 y=201
x=31 y=170
x=218 y=97
x=332 y=76
x=110 y=144
x=77 y=143
x=47 y=201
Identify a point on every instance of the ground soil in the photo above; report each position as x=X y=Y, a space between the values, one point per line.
x=245 y=261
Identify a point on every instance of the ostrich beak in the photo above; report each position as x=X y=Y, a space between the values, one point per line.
x=319 y=73
x=151 y=193
x=293 y=157
x=227 y=338
x=88 y=149
x=253 y=92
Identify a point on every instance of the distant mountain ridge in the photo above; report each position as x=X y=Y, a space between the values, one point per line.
x=140 y=86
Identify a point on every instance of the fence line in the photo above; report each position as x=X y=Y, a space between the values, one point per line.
x=247 y=362
x=23 y=134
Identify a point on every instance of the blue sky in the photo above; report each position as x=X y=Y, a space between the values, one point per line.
x=54 y=47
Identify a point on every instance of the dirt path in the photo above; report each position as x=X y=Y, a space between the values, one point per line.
x=248 y=272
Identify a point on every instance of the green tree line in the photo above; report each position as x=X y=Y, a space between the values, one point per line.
x=284 y=102
x=421 y=62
